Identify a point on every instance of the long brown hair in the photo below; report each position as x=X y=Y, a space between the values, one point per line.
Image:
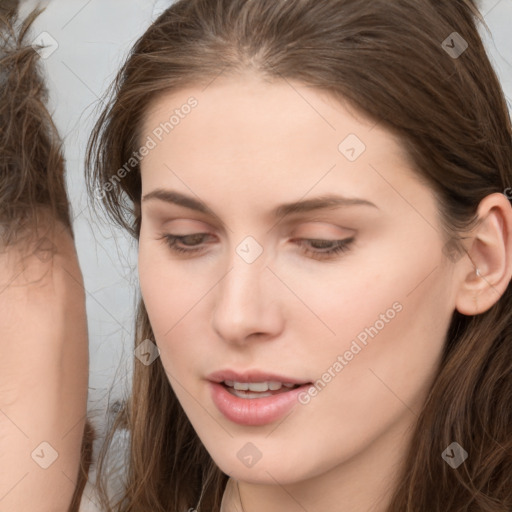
x=32 y=167
x=390 y=59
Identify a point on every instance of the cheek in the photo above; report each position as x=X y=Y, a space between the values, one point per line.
x=395 y=303
x=173 y=301
x=163 y=293
x=389 y=340
x=388 y=314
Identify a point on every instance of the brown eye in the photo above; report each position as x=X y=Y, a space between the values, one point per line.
x=191 y=241
x=330 y=247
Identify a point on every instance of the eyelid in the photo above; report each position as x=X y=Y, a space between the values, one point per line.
x=336 y=230
x=335 y=247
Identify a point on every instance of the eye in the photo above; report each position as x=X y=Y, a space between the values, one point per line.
x=189 y=241
x=330 y=247
x=314 y=247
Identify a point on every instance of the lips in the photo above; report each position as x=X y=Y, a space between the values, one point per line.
x=254 y=376
x=255 y=397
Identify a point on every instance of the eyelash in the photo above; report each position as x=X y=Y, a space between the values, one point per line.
x=340 y=246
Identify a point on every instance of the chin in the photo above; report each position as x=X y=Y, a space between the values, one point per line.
x=265 y=471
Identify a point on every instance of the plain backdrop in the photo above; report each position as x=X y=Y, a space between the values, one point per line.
x=88 y=39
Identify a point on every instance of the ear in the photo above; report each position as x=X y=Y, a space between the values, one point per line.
x=489 y=251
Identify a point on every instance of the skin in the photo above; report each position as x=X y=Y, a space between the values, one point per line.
x=43 y=372
x=247 y=147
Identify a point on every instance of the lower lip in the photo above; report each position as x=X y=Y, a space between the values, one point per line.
x=254 y=411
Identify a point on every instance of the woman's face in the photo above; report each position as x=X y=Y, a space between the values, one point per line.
x=252 y=175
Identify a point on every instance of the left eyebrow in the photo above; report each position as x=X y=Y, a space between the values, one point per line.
x=320 y=203
x=328 y=201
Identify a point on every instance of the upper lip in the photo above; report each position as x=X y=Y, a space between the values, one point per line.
x=252 y=376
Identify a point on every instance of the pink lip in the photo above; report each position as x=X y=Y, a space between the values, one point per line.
x=251 y=376
x=256 y=411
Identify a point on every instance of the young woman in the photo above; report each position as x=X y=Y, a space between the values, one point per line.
x=320 y=192
x=43 y=329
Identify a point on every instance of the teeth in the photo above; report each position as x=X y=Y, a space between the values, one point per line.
x=257 y=387
x=250 y=395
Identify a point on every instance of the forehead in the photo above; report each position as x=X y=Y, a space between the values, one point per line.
x=244 y=130
x=252 y=111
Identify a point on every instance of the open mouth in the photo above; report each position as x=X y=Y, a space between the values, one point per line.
x=263 y=400
x=257 y=389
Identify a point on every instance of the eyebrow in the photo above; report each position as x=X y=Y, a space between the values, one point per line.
x=328 y=201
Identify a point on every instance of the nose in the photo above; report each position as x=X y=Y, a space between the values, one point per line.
x=247 y=304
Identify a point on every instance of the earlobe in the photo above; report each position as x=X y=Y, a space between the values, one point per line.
x=485 y=276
